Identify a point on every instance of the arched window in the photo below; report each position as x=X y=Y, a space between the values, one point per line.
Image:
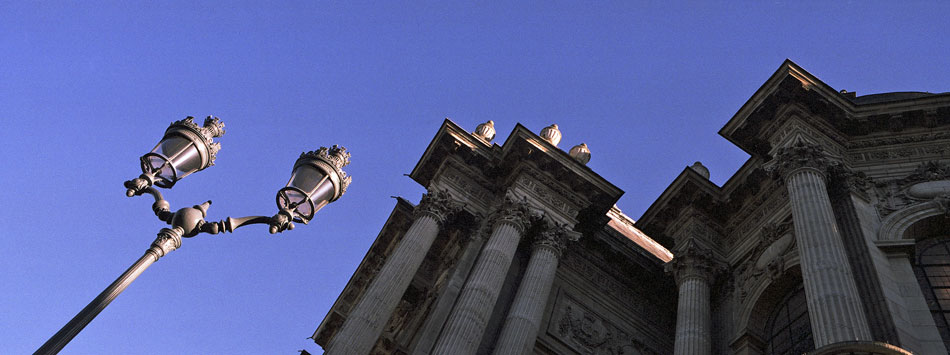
x=788 y=330
x=933 y=275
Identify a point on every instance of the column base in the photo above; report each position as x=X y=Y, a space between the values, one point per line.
x=860 y=347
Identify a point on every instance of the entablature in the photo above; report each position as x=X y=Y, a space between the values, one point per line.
x=526 y=165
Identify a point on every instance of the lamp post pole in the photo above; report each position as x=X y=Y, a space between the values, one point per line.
x=317 y=179
x=159 y=247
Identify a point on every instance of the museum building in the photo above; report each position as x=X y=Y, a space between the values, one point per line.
x=832 y=238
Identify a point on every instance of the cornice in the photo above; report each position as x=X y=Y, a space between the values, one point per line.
x=524 y=148
x=688 y=189
x=451 y=139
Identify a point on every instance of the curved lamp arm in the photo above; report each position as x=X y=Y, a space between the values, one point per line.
x=278 y=223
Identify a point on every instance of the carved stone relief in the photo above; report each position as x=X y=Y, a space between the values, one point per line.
x=767 y=260
x=586 y=332
x=930 y=181
x=606 y=284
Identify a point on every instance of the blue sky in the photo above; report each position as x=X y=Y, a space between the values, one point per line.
x=88 y=87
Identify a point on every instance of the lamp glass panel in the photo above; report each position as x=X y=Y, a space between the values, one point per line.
x=306 y=178
x=156 y=163
x=293 y=199
x=181 y=152
x=323 y=193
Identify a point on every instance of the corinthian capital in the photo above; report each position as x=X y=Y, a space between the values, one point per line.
x=694 y=261
x=555 y=237
x=436 y=204
x=800 y=155
x=513 y=212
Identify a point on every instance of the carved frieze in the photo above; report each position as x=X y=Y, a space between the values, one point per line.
x=895 y=140
x=587 y=332
x=930 y=181
x=461 y=182
x=605 y=283
x=549 y=193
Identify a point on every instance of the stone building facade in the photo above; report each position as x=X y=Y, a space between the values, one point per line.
x=833 y=238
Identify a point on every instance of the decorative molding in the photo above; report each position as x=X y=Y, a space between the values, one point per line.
x=587 y=332
x=904 y=139
x=168 y=240
x=891 y=153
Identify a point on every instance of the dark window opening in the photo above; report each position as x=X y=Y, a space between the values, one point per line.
x=788 y=328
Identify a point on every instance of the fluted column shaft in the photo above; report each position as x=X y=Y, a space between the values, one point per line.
x=466 y=324
x=524 y=318
x=693 y=267
x=693 y=322
x=365 y=323
x=834 y=304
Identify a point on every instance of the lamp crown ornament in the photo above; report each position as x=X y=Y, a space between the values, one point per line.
x=336 y=155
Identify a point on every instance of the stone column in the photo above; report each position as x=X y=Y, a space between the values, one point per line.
x=524 y=318
x=466 y=324
x=834 y=304
x=693 y=268
x=440 y=312
x=365 y=323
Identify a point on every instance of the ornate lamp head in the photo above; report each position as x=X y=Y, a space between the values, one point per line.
x=185 y=149
x=317 y=179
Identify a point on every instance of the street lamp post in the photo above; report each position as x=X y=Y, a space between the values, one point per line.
x=316 y=180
